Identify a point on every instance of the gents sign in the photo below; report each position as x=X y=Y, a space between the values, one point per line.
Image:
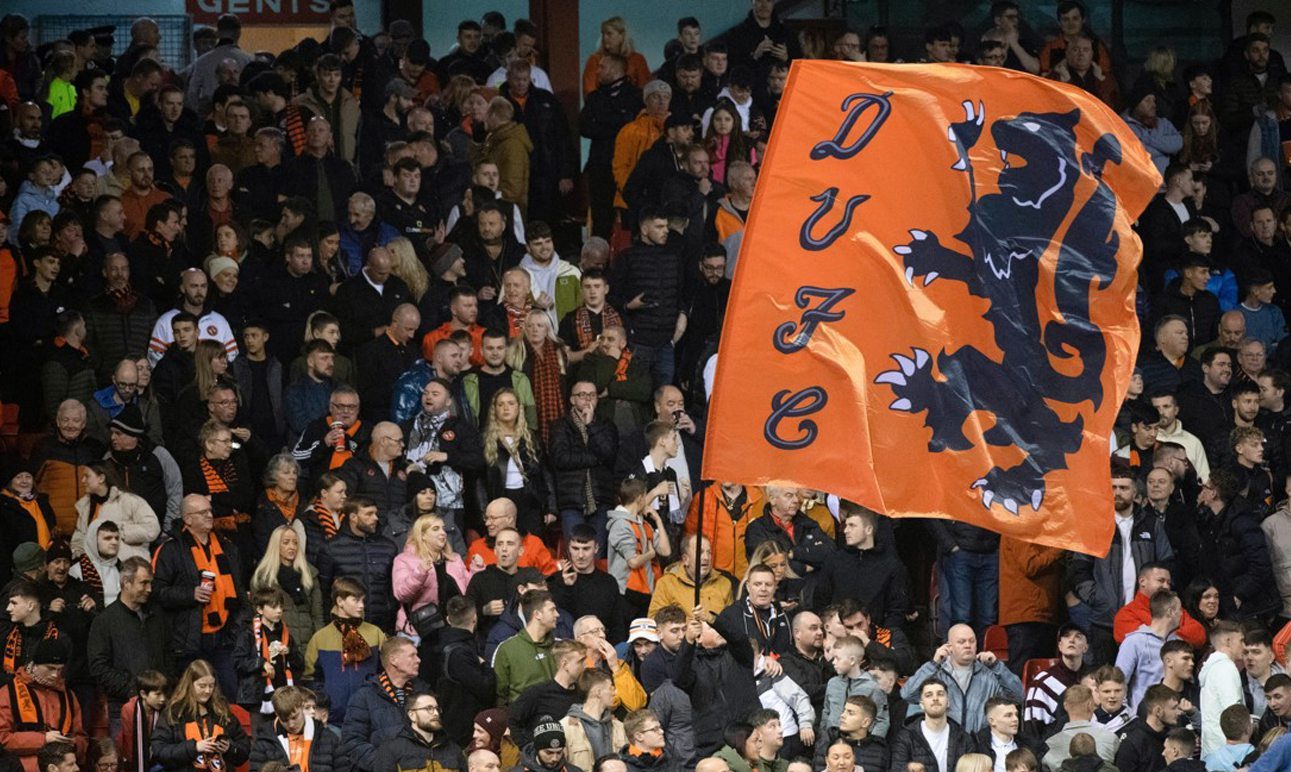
x=260 y=11
x=933 y=313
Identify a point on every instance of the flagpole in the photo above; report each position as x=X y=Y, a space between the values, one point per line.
x=699 y=543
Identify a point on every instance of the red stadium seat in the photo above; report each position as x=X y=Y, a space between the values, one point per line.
x=1032 y=668
x=996 y=641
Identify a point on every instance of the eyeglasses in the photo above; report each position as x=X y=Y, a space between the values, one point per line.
x=107 y=766
x=395 y=440
x=595 y=631
x=338 y=407
x=655 y=728
x=431 y=708
x=583 y=394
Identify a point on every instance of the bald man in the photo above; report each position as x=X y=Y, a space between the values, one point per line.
x=980 y=676
x=366 y=301
x=380 y=473
x=483 y=760
x=499 y=514
x=381 y=361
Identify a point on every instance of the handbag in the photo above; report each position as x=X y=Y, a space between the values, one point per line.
x=426 y=620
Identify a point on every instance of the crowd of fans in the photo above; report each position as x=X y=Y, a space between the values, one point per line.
x=321 y=456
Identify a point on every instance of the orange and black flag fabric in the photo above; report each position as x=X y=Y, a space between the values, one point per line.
x=933 y=310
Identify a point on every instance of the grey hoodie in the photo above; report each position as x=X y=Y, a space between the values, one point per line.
x=109 y=569
x=599 y=731
x=623 y=545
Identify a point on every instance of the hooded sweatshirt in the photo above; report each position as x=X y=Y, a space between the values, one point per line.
x=628 y=538
x=560 y=280
x=108 y=569
x=1221 y=686
x=604 y=735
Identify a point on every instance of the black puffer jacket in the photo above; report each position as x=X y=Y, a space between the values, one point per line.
x=324 y=749
x=886 y=589
x=368 y=559
x=653 y=271
x=572 y=459
x=1242 y=566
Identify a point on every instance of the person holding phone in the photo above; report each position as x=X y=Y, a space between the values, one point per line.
x=197 y=730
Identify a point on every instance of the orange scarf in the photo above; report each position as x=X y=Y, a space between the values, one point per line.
x=214 y=482
x=287 y=506
x=211 y=558
x=203 y=729
x=262 y=644
x=32 y=507
x=28 y=715
x=621 y=369
x=13 y=645
x=340 y=456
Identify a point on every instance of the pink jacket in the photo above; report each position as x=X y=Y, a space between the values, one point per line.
x=415 y=585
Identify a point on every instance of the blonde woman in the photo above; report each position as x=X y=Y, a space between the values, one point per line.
x=974 y=762
x=788 y=590
x=615 y=40
x=406 y=266
x=513 y=463
x=210 y=366
x=284 y=566
x=539 y=354
x=1158 y=79
x=427 y=571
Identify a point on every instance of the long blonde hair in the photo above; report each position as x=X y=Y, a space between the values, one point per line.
x=494 y=433
x=266 y=573
x=183 y=705
x=617 y=24
x=518 y=350
x=759 y=557
x=407 y=267
x=417 y=538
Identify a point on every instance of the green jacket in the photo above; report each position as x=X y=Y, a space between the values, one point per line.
x=519 y=384
x=521 y=662
x=636 y=392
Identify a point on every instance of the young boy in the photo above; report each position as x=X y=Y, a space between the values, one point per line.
x=133 y=731
x=636 y=537
x=1111 y=713
x=318 y=706
x=342 y=655
x=849 y=653
x=1235 y=723
x=265 y=655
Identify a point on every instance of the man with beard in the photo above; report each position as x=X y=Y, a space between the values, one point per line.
x=211 y=325
x=492 y=252
x=118 y=321
x=547 y=752
x=932 y=741
x=1160 y=138
x=701 y=318
x=1249 y=90
x=805 y=662
x=154 y=254
x=127 y=638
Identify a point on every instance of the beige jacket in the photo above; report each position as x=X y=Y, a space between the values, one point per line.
x=579 y=751
x=138 y=523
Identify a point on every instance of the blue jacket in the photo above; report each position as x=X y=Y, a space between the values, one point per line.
x=306 y=400
x=356 y=245
x=30 y=198
x=967 y=709
x=371 y=720
x=1229 y=757
x=1276 y=758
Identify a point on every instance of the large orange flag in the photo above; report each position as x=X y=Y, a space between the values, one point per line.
x=933 y=311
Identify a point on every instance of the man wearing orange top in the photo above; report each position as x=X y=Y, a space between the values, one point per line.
x=465 y=308
x=1153 y=577
x=142 y=195
x=498 y=515
x=728 y=510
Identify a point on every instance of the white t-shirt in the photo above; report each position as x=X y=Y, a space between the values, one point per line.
x=939 y=742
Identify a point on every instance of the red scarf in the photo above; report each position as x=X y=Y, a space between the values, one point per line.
x=621 y=369
x=547 y=390
x=354 y=647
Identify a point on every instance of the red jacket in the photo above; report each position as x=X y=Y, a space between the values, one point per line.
x=535 y=554
x=1137 y=613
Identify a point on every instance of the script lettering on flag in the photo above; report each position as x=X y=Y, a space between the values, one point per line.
x=933 y=311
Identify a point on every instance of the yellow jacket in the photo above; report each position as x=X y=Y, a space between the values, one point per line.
x=675 y=587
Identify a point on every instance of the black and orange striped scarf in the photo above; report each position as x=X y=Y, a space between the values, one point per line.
x=621 y=369
x=13 y=645
x=28 y=715
x=262 y=644
x=583 y=324
x=293 y=125
x=330 y=524
x=547 y=391
x=90 y=574
x=218 y=480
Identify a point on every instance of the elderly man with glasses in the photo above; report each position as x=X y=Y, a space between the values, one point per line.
x=328 y=442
